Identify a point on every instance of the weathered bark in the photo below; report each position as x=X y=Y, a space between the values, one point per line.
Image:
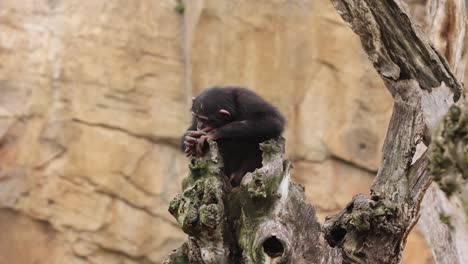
x=266 y=220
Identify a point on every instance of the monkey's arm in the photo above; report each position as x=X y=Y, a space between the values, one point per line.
x=259 y=128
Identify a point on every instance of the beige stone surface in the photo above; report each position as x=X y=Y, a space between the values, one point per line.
x=92 y=100
x=331 y=184
x=94 y=96
x=19 y=233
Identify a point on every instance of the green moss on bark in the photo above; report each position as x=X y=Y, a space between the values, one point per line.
x=448 y=158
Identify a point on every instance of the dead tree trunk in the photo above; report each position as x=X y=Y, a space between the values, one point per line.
x=254 y=223
x=443 y=220
x=423 y=87
x=266 y=220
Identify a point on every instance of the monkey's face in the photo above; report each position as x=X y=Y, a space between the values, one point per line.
x=212 y=109
x=210 y=121
x=202 y=121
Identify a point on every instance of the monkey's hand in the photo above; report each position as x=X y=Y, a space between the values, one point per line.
x=201 y=142
x=189 y=146
x=190 y=141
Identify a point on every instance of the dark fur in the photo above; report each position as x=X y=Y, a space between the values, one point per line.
x=253 y=120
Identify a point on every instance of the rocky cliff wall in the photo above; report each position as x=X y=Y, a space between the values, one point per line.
x=94 y=96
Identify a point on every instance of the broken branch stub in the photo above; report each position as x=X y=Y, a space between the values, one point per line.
x=264 y=220
x=201 y=213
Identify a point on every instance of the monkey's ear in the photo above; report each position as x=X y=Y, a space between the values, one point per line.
x=225 y=113
x=193 y=98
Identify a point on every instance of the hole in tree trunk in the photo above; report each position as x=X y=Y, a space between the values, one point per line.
x=273 y=247
x=337 y=235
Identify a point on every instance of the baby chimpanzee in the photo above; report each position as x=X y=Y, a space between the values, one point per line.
x=238 y=120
